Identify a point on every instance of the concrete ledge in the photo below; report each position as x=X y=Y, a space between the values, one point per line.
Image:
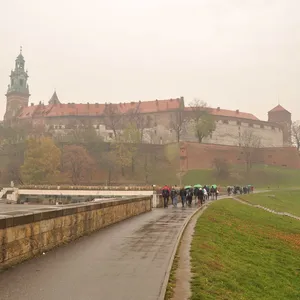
x=22 y=236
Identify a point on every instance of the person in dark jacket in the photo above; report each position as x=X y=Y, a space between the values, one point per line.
x=200 y=197
x=182 y=194
x=165 y=192
x=189 y=196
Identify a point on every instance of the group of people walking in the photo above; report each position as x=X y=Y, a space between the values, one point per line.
x=240 y=190
x=186 y=195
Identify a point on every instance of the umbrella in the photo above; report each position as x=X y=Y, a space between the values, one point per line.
x=187 y=187
x=214 y=186
x=198 y=186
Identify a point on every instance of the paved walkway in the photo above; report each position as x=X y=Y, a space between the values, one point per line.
x=126 y=261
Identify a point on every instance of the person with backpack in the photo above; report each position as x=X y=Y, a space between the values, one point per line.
x=174 y=195
x=165 y=194
x=182 y=194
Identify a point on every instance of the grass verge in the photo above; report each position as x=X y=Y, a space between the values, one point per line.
x=262 y=176
x=172 y=278
x=241 y=252
x=280 y=201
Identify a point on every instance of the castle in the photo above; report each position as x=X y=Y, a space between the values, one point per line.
x=155 y=118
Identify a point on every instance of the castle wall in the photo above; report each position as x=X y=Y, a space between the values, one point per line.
x=158 y=128
x=201 y=156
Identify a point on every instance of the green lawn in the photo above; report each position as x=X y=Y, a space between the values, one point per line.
x=259 y=176
x=281 y=201
x=240 y=252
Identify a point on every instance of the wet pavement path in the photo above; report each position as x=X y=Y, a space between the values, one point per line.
x=125 y=261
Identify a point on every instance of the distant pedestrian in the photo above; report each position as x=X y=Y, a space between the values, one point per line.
x=205 y=195
x=189 y=196
x=182 y=194
x=174 y=195
x=200 y=197
x=165 y=194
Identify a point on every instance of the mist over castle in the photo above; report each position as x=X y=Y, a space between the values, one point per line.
x=158 y=119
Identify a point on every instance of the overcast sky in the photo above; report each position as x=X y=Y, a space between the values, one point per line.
x=236 y=54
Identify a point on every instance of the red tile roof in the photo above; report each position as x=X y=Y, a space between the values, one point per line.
x=228 y=113
x=278 y=108
x=55 y=110
x=149 y=106
x=27 y=112
x=76 y=109
x=70 y=109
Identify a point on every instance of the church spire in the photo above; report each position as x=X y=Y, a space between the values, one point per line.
x=54 y=99
x=17 y=95
x=18 y=77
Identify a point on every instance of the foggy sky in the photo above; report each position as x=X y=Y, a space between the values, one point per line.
x=236 y=54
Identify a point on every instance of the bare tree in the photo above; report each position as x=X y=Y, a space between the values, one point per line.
x=77 y=162
x=202 y=121
x=198 y=107
x=113 y=118
x=296 y=134
x=222 y=168
x=134 y=116
x=249 y=141
x=177 y=123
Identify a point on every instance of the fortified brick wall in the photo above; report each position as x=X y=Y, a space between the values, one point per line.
x=25 y=236
x=201 y=156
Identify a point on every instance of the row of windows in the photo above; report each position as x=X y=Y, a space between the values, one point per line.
x=239 y=123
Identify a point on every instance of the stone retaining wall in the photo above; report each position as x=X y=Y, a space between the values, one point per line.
x=24 y=236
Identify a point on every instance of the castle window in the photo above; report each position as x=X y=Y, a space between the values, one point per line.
x=110 y=135
x=250 y=124
x=273 y=128
x=238 y=123
x=262 y=126
x=21 y=82
x=225 y=121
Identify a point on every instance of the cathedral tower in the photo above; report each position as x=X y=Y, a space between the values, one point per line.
x=17 y=95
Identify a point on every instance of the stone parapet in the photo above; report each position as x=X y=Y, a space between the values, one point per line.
x=23 y=236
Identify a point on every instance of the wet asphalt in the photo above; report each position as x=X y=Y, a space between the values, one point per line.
x=125 y=261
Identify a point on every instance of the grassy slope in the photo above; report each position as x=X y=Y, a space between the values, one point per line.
x=281 y=201
x=260 y=176
x=240 y=252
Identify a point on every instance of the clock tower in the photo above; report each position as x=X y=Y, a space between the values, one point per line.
x=17 y=95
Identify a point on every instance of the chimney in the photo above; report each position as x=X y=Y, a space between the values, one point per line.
x=156 y=102
x=218 y=108
x=237 y=111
